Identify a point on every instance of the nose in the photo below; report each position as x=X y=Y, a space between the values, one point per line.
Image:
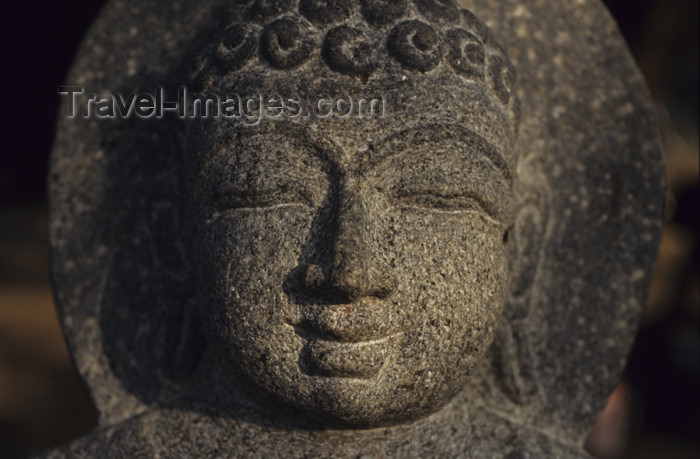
x=356 y=269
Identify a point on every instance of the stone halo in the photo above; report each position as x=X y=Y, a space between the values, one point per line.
x=592 y=141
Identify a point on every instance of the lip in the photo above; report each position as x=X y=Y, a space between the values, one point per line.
x=360 y=322
x=346 y=340
x=362 y=360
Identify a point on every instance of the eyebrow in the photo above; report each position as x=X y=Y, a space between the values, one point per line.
x=455 y=134
x=324 y=148
x=314 y=144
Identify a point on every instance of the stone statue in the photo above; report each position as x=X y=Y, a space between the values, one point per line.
x=457 y=271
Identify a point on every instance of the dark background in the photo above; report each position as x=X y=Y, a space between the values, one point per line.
x=655 y=412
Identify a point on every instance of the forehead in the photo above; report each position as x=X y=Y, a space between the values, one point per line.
x=356 y=149
x=400 y=101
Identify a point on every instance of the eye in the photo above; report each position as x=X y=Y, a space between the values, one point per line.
x=446 y=187
x=264 y=172
x=256 y=194
x=442 y=198
x=446 y=169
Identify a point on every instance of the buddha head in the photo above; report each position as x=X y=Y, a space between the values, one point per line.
x=353 y=268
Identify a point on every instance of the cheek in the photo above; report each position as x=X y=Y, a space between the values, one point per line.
x=453 y=273
x=244 y=259
x=446 y=250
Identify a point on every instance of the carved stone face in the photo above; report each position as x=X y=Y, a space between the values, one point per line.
x=357 y=282
x=355 y=271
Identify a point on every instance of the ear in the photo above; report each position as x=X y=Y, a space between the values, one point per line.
x=511 y=354
x=182 y=341
x=529 y=233
x=526 y=242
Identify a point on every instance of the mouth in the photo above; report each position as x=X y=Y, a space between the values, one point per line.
x=362 y=360
x=345 y=341
x=357 y=322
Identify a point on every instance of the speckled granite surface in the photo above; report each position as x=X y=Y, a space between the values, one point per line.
x=460 y=277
